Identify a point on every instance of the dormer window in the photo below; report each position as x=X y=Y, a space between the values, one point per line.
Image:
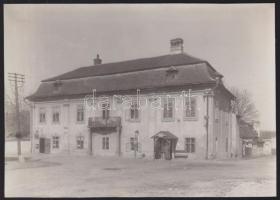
x=171 y=72
x=57 y=84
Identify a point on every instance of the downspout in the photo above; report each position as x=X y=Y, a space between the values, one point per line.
x=207 y=125
x=31 y=127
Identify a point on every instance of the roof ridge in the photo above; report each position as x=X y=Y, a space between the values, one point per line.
x=137 y=59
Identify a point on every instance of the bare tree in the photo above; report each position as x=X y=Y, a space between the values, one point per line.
x=10 y=117
x=244 y=105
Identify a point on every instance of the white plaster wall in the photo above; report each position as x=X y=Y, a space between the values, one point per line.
x=150 y=124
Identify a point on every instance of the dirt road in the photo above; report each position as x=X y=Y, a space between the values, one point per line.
x=85 y=176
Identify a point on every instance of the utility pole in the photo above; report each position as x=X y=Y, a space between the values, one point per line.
x=17 y=79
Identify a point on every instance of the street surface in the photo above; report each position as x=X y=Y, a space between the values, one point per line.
x=85 y=176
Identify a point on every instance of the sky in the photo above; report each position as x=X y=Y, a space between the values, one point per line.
x=41 y=41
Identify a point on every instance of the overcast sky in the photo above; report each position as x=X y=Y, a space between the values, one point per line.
x=42 y=41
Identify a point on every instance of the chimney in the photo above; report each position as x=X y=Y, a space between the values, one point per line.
x=176 y=46
x=97 y=60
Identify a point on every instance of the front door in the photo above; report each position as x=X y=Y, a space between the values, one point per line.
x=45 y=145
x=163 y=149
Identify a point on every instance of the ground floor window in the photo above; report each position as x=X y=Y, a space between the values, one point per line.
x=80 y=142
x=105 y=143
x=55 y=142
x=190 y=145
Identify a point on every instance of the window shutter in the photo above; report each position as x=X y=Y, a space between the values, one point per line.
x=139 y=115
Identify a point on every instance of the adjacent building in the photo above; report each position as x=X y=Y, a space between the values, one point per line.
x=154 y=107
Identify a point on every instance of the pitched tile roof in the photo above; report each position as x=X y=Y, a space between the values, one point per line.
x=129 y=66
x=129 y=75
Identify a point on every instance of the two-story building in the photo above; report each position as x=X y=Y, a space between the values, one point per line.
x=148 y=107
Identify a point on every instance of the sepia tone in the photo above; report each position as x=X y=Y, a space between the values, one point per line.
x=168 y=124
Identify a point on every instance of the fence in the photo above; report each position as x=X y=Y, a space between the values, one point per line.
x=11 y=147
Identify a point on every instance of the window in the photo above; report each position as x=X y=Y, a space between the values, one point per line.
x=80 y=113
x=105 y=110
x=55 y=142
x=42 y=115
x=55 y=115
x=134 y=112
x=190 y=145
x=105 y=143
x=168 y=109
x=80 y=142
x=190 y=107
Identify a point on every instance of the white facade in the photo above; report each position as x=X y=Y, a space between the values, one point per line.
x=150 y=122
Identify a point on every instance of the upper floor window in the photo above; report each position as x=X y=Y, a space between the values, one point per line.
x=168 y=108
x=190 y=107
x=42 y=115
x=56 y=114
x=105 y=110
x=217 y=111
x=190 y=145
x=134 y=112
x=80 y=113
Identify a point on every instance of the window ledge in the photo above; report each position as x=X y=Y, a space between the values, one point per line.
x=168 y=120
x=190 y=118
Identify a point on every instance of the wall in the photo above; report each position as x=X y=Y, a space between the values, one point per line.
x=225 y=135
x=150 y=123
x=68 y=128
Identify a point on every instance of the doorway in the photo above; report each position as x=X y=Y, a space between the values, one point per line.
x=164 y=145
x=163 y=149
x=45 y=145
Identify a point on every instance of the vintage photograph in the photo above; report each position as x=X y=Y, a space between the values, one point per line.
x=139 y=100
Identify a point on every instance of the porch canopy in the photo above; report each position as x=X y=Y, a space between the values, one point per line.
x=165 y=135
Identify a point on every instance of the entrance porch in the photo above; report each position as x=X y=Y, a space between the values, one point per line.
x=164 y=145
